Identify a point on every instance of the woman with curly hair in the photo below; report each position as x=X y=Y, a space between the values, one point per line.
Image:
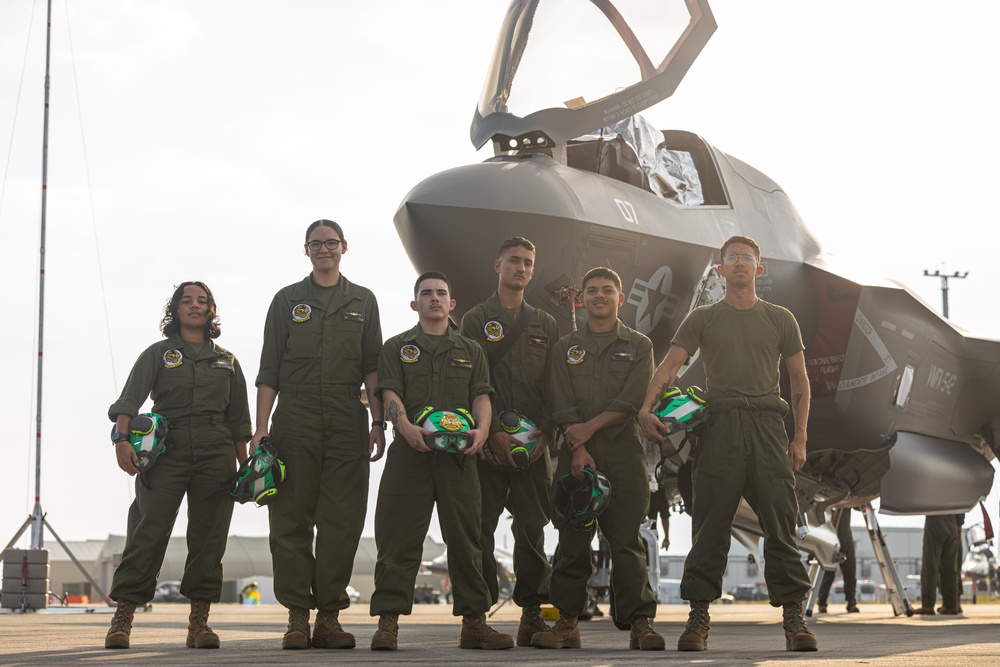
x=199 y=388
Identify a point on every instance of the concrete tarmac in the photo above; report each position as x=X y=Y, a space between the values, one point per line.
x=741 y=634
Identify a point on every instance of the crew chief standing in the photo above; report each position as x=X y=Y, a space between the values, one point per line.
x=744 y=448
x=431 y=365
x=598 y=378
x=321 y=342
x=519 y=353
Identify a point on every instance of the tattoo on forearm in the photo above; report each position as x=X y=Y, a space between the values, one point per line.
x=394 y=412
x=796 y=399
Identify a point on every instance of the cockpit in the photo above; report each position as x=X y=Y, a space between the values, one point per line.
x=569 y=78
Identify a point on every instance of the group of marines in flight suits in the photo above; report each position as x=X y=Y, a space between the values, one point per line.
x=589 y=394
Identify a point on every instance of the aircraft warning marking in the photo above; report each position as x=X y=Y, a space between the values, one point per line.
x=861 y=322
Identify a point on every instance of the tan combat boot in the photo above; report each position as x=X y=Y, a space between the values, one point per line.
x=327 y=632
x=477 y=634
x=643 y=636
x=121 y=625
x=385 y=637
x=924 y=611
x=199 y=634
x=297 y=634
x=564 y=634
x=531 y=623
x=695 y=637
x=797 y=635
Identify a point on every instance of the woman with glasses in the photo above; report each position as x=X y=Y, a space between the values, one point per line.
x=322 y=340
x=200 y=390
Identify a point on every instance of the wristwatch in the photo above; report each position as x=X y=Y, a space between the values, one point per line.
x=382 y=424
x=117 y=436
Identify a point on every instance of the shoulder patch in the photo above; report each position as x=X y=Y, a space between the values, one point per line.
x=352 y=315
x=575 y=355
x=623 y=354
x=173 y=358
x=301 y=312
x=538 y=341
x=494 y=331
x=409 y=353
x=459 y=361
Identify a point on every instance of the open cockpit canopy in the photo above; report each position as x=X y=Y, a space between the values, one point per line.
x=588 y=64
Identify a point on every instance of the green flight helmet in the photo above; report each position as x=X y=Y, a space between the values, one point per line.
x=681 y=410
x=450 y=429
x=578 y=503
x=258 y=478
x=147 y=433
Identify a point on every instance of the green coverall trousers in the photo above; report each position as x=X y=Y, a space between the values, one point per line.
x=744 y=453
x=195 y=470
x=525 y=494
x=412 y=483
x=625 y=468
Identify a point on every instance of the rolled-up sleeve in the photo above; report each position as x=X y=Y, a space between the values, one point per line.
x=390 y=375
x=138 y=385
x=480 y=381
x=238 y=410
x=273 y=349
x=371 y=342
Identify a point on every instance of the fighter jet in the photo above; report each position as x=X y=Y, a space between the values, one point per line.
x=904 y=403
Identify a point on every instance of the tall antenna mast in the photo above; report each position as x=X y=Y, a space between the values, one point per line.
x=37 y=518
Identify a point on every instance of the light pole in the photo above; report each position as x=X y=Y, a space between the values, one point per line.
x=944 y=286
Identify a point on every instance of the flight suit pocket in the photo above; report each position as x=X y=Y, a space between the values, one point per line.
x=457 y=379
x=348 y=339
x=416 y=382
x=303 y=341
x=218 y=381
x=534 y=363
x=581 y=377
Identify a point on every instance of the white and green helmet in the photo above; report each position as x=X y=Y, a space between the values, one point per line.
x=147 y=433
x=449 y=429
x=258 y=478
x=520 y=428
x=681 y=410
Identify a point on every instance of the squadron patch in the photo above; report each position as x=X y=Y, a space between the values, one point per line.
x=493 y=331
x=352 y=315
x=450 y=421
x=173 y=358
x=409 y=353
x=538 y=341
x=460 y=362
x=623 y=355
x=301 y=312
x=575 y=355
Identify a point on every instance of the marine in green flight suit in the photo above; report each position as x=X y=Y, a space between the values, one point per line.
x=519 y=374
x=599 y=377
x=431 y=365
x=199 y=387
x=322 y=338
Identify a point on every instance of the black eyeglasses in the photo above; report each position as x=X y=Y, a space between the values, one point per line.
x=331 y=244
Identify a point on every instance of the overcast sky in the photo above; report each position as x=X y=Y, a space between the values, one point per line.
x=194 y=140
